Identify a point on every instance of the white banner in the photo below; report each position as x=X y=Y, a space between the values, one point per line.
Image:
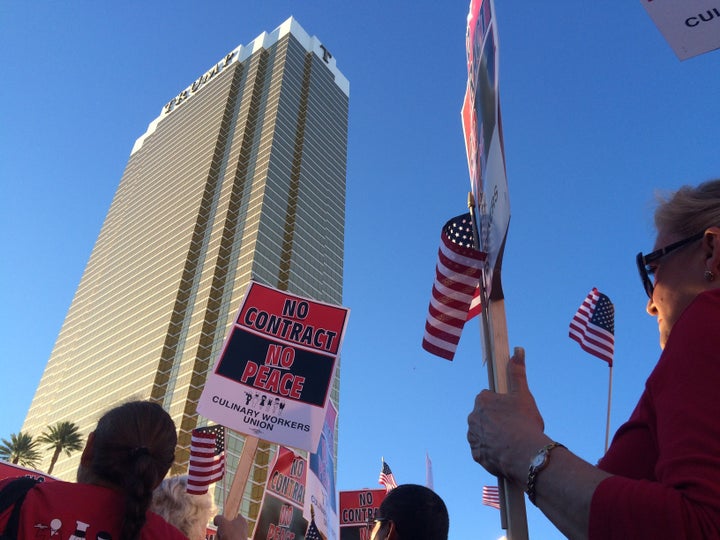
x=691 y=27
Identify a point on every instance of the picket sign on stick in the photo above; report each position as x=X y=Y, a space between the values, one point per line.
x=278 y=377
x=231 y=508
x=497 y=355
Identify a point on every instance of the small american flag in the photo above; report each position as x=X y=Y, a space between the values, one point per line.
x=593 y=326
x=313 y=533
x=387 y=478
x=455 y=296
x=491 y=496
x=207 y=458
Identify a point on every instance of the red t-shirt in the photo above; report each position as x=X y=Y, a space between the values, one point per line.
x=69 y=511
x=666 y=457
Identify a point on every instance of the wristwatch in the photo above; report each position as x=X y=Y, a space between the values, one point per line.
x=538 y=463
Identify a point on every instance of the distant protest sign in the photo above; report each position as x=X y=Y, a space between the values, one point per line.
x=321 y=495
x=272 y=380
x=357 y=512
x=281 y=511
x=691 y=27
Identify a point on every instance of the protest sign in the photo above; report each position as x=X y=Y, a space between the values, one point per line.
x=281 y=511
x=357 y=512
x=321 y=480
x=273 y=377
x=482 y=127
x=691 y=27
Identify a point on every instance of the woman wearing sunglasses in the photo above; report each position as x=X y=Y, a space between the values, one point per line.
x=661 y=475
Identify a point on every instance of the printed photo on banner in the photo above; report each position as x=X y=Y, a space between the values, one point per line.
x=272 y=379
x=281 y=510
x=358 y=509
x=321 y=480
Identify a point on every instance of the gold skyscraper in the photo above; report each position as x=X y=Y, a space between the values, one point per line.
x=241 y=176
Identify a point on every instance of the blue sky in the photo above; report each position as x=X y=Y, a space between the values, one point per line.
x=597 y=113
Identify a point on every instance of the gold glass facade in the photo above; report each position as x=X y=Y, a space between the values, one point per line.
x=242 y=176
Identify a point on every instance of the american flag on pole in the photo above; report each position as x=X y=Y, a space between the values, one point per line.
x=593 y=326
x=387 y=478
x=491 y=496
x=312 y=532
x=455 y=296
x=207 y=458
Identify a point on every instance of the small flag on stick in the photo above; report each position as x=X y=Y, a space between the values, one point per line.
x=455 y=296
x=387 y=478
x=312 y=532
x=593 y=326
x=491 y=496
x=207 y=458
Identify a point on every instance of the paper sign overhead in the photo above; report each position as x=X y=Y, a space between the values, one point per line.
x=691 y=27
x=273 y=377
x=482 y=127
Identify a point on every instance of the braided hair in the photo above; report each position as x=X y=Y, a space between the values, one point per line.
x=133 y=449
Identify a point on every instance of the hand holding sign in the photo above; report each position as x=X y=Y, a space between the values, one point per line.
x=231 y=529
x=505 y=429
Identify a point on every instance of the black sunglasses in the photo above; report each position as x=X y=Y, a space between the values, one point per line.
x=644 y=262
x=372 y=521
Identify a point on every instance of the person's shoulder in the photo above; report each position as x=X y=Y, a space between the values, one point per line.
x=709 y=298
x=695 y=337
x=62 y=487
x=702 y=314
x=56 y=491
x=39 y=484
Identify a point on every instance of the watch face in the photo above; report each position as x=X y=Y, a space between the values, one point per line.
x=539 y=459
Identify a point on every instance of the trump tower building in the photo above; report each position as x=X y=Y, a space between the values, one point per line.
x=241 y=176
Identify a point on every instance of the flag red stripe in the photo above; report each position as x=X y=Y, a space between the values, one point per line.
x=491 y=496
x=445 y=319
x=448 y=334
x=450 y=304
x=601 y=344
x=438 y=351
x=591 y=331
x=444 y=315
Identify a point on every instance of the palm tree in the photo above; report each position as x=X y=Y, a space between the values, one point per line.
x=20 y=450
x=62 y=437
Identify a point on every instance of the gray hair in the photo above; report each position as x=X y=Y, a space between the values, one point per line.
x=689 y=210
x=188 y=513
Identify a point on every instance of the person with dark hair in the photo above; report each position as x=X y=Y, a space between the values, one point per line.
x=411 y=512
x=660 y=478
x=124 y=460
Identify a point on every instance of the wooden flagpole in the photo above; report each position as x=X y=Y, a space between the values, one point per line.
x=231 y=508
x=497 y=355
